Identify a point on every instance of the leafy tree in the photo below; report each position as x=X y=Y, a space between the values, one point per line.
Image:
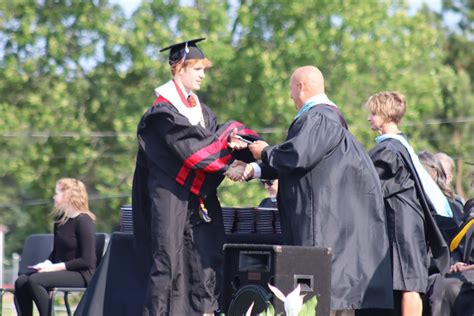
x=76 y=76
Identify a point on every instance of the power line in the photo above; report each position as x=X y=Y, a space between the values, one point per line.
x=50 y=202
x=264 y=130
x=67 y=134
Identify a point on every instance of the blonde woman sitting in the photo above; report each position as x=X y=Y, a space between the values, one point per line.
x=72 y=261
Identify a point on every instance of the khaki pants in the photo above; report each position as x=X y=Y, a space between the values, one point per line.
x=343 y=312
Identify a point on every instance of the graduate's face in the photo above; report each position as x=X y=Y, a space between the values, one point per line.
x=376 y=122
x=192 y=76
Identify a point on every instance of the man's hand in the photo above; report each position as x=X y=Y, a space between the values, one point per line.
x=234 y=142
x=248 y=172
x=236 y=170
x=239 y=171
x=256 y=148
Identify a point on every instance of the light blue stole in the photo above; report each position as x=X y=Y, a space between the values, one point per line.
x=313 y=101
x=305 y=108
x=430 y=187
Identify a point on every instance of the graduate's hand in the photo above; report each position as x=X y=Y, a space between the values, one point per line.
x=236 y=170
x=256 y=148
x=234 y=142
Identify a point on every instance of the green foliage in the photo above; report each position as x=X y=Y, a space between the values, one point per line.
x=76 y=76
x=270 y=311
x=309 y=307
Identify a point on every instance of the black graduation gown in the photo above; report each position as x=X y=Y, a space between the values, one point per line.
x=453 y=293
x=178 y=166
x=411 y=226
x=329 y=196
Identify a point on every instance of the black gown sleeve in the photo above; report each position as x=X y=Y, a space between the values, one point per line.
x=391 y=170
x=295 y=154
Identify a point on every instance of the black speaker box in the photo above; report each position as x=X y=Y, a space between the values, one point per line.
x=248 y=268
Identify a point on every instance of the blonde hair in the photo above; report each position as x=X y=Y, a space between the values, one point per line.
x=390 y=105
x=183 y=64
x=75 y=200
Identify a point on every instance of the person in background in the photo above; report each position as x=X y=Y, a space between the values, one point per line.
x=409 y=194
x=469 y=205
x=73 y=259
x=271 y=186
x=448 y=165
x=437 y=172
x=453 y=293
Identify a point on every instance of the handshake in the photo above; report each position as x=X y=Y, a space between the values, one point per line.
x=239 y=171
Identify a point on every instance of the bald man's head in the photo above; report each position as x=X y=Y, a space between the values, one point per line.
x=306 y=82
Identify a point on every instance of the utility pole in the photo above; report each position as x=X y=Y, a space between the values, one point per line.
x=3 y=230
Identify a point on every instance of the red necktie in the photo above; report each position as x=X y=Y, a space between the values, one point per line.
x=191 y=101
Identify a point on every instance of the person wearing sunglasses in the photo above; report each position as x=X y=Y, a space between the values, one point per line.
x=271 y=186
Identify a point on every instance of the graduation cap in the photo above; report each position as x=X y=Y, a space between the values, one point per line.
x=184 y=50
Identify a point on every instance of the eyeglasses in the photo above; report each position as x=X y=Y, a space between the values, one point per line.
x=266 y=182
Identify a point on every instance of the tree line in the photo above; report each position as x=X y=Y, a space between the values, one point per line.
x=76 y=76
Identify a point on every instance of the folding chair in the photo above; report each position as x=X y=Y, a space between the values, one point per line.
x=37 y=248
x=101 y=242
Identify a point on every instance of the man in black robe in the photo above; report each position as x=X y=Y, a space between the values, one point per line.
x=329 y=196
x=182 y=157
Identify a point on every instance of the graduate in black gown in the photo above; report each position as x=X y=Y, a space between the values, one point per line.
x=411 y=196
x=182 y=157
x=329 y=196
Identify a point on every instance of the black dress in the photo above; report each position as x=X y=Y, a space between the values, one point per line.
x=178 y=168
x=411 y=226
x=329 y=196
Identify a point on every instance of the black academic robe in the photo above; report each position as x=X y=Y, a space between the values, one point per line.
x=452 y=295
x=329 y=196
x=412 y=228
x=179 y=167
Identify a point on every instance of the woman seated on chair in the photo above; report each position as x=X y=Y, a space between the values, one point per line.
x=73 y=259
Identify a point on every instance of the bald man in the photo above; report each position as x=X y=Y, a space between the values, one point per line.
x=329 y=196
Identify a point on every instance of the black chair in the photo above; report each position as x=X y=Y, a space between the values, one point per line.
x=37 y=248
x=101 y=242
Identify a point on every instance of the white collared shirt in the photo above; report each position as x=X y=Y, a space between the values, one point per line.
x=318 y=99
x=169 y=92
x=321 y=98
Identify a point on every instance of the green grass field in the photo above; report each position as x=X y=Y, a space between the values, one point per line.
x=60 y=309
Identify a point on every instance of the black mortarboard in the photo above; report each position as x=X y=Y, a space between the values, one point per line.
x=184 y=50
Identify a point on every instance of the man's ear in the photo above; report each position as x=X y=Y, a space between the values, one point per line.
x=301 y=87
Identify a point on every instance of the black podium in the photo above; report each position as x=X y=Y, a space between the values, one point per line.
x=118 y=285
